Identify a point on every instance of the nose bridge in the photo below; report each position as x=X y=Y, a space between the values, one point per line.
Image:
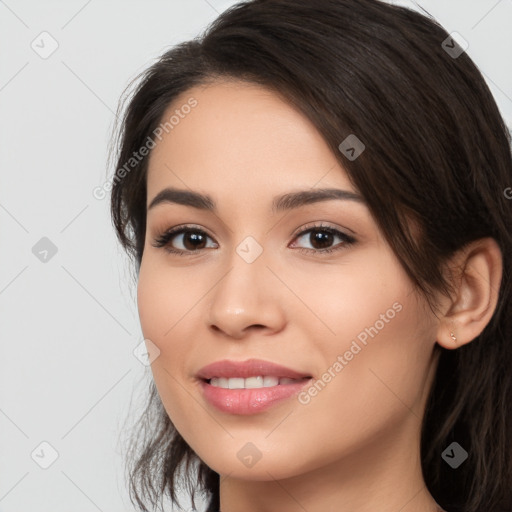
x=243 y=287
x=245 y=295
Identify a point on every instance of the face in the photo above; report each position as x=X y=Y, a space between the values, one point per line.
x=313 y=287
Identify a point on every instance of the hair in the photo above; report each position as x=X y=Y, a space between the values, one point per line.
x=437 y=156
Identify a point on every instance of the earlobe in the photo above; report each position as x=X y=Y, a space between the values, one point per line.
x=477 y=283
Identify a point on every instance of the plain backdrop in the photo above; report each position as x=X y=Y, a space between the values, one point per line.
x=68 y=374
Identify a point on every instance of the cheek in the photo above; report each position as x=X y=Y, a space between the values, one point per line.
x=170 y=301
x=347 y=297
x=374 y=389
x=385 y=361
x=152 y=301
x=161 y=306
x=378 y=325
x=165 y=297
x=163 y=302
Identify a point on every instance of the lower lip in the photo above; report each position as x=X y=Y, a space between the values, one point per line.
x=250 y=401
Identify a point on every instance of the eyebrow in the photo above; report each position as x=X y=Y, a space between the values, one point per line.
x=281 y=203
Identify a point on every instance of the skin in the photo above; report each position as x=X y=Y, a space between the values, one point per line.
x=355 y=445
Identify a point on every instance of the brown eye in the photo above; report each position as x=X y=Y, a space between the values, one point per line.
x=321 y=239
x=188 y=239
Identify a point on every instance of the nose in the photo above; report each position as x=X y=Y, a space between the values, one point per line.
x=248 y=297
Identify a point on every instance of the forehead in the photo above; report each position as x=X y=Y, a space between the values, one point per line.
x=240 y=135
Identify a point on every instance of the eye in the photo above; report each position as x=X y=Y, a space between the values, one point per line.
x=322 y=237
x=191 y=239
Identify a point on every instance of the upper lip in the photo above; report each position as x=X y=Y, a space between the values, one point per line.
x=249 y=368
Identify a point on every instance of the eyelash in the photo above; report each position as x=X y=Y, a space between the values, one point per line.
x=164 y=239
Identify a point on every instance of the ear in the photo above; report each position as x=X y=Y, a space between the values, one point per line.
x=477 y=277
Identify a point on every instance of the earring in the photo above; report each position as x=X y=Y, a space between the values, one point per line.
x=453 y=336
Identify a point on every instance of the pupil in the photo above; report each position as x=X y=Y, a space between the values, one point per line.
x=323 y=238
x=194 y=237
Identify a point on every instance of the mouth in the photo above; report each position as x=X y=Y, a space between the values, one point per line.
x=249 y=387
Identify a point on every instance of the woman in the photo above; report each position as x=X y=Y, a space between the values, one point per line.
x=313 y=195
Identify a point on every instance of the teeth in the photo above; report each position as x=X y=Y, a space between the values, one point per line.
x=235 y=383
x=269 y=381
x=249 y=383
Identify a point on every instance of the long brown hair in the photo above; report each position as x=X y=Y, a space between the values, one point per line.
x=437 y=152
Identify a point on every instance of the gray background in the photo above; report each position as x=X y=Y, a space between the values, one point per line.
x=69 y=323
